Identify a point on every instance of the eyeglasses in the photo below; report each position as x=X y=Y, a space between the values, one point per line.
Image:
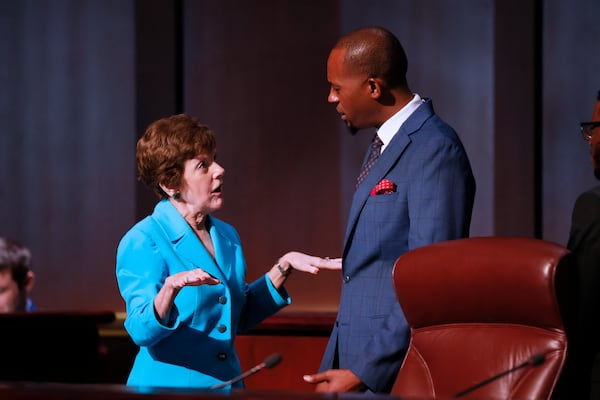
x=587 y=129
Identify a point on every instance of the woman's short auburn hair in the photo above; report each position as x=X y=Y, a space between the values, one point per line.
x=166 y=145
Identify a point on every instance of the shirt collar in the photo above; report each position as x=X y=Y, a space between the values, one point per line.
x=390 y=127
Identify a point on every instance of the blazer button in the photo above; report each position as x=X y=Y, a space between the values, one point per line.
x=222 y=299
x=346 y=278
x=221 y=328
x=222 y=356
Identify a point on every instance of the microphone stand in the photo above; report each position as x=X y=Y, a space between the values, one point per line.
x=269 y=362
x=534 y=361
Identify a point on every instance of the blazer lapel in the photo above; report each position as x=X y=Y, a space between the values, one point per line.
x=224 y=250
x=191 y=249
x=385 y=163
x=184 y=242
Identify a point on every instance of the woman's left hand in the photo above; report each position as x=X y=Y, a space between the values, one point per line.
x=311 y=264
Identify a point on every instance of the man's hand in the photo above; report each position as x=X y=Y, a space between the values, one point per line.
x=336 y=380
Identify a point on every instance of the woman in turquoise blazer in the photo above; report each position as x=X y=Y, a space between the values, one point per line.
x=182 y=272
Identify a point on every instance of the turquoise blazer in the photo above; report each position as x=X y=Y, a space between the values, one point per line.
x=196 y=348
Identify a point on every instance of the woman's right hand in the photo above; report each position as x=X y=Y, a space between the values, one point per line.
x=173 y=284
x=194 y=277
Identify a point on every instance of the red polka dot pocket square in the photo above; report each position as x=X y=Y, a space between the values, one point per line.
x=383 y=187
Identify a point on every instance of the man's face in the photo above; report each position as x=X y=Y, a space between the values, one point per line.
x=349 y=91
x=11 y=299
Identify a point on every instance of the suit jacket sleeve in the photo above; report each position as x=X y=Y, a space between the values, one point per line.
x=140 y=272
x=440 y=196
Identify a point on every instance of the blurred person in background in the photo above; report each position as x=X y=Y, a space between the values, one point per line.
x=16 y=277
x=584 y=242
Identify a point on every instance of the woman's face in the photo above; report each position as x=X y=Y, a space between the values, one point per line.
x=202 y=184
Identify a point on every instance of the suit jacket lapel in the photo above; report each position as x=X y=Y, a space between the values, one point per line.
x=386 y=161
x=184 y=242
x=224 y=250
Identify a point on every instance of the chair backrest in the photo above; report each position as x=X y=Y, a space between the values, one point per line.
x=480 y=307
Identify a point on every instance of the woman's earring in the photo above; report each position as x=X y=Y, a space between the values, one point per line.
x=176 y=196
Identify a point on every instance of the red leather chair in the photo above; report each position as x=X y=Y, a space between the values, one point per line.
x=484 y=312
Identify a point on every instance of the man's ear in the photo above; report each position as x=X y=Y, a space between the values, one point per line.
x=29 y=281
x=374 y=87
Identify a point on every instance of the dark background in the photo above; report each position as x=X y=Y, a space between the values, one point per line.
x=80 y=81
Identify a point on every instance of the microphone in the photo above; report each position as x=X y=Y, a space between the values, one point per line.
x=269 y=362
x=533 y=361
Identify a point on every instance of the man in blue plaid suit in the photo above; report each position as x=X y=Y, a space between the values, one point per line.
x=419 y=191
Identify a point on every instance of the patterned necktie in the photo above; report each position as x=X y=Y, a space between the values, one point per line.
x=373 y=155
